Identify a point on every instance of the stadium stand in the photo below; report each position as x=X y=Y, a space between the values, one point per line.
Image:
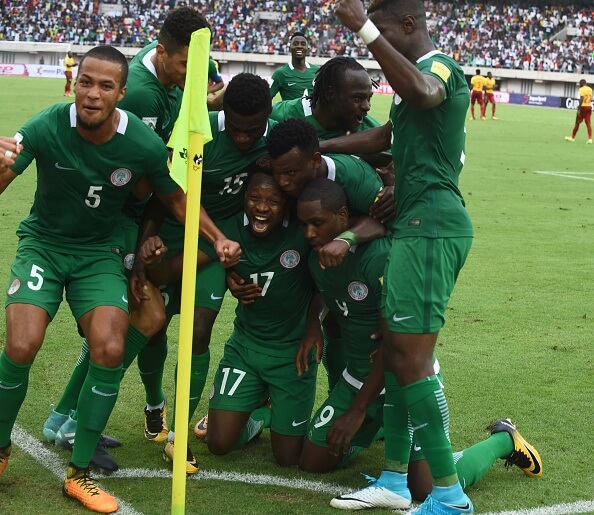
x=494 y=35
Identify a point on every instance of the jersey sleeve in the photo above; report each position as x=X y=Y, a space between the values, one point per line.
x=367 y=188
x=275 y=84
x=443 y=71
x=279 y=110
x=147 y=107
x=28 y=132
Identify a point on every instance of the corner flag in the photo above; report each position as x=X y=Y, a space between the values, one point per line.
x=191 y=131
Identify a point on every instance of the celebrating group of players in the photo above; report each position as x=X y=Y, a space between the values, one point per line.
x=294 y=225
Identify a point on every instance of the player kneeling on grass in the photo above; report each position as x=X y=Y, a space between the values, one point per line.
x=259 y=357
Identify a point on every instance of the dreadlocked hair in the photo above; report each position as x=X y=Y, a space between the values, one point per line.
x=329 y=78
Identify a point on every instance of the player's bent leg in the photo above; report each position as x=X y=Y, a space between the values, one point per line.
x=148 y=316
x=317 y=459
x=286 y=449
x=419 y=479
x=224 y=429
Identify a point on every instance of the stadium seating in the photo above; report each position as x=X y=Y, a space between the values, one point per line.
x=494 y=35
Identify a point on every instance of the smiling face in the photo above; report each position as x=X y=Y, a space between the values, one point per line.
x=294 y=169
x=298 y=47
x=98 y=89
x=353 y=101
x=320 y=226
x=264 y=204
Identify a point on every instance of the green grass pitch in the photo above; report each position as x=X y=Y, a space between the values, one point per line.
x=517 y=342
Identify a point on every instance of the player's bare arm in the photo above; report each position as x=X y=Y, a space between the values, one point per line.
x=312 y=338
x=419 y=90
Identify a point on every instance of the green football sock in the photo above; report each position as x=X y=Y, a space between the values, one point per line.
x=97 y=399
x=199 y=371
x=14 y=379
x=474 y=462
x=133 y=344
x=396 y=434
x=151 y=364
x=429 y=417
x=346 y=458
x=333 y=358
x=77 y=378
x=259 y=419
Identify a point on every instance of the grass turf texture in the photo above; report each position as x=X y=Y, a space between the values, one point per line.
x=516 y=344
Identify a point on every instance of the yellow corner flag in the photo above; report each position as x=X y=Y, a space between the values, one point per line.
x=193 y=114
x=191 y=131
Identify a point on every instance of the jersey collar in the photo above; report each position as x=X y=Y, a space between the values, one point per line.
x=428 y=55
x=146 y=60
x=307 y=65
x=331 y=167
x=121 y=126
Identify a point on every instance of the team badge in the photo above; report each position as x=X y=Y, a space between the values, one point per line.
x=290 y=258
x=14 y=286
x=358 y=290
x=121 y=177
x=129 y=261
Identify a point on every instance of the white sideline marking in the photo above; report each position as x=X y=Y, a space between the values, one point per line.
x=569 y=175
x=557 y=509
x=52 y=462
x=56 y=465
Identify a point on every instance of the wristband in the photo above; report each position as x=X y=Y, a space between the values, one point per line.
x=349 y=237
x=369 y=32
x=154 y=265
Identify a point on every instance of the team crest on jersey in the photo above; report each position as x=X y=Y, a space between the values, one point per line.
x=14 y=286
x=290 y=258
x=129 y=261
x=121 y=177
x=358 y=290
x=150 y=122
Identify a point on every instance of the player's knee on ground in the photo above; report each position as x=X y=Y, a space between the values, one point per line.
x=286 y=449
x=316 y=459
x=224 y=430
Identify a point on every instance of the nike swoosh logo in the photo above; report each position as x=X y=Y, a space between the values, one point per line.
x=295 y=424
x=416 y=448
x=124 y=299
x=400 y=319
x=420 y=427
x=212 y=170
x=212 y=296
x=57 y=165
x=291 y=84
x=4 y=387
x=103 y=394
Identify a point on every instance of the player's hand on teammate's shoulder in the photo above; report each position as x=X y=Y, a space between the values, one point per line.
x=384 y=207
x=246 y=293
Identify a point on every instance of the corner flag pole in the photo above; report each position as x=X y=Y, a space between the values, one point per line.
x=191 y=132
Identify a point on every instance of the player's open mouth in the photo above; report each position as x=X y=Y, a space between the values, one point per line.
x=260 y=224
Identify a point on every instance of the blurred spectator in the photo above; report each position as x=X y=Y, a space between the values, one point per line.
x=493 y=35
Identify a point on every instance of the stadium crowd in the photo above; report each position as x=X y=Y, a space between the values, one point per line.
x=496 y=35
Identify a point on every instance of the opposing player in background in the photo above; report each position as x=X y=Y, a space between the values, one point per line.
x=490 y=83
x=584 y=112
x=294 y=79
x=477 y=84
x=69 y=65
x=85 y=171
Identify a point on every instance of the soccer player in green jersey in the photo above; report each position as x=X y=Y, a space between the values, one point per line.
x=259 y=357
x=238 y=142
x=432 y=235
x=339 y=103
x=294 y=79
x=153 y=93
x=85 y=170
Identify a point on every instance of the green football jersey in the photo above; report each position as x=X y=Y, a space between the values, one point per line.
x=275 y=323
x=301 y=108
x=156 y=105
x=292 y=83
x=428 y=150
x=358 y=179
x=82 y=187
x=352 y=291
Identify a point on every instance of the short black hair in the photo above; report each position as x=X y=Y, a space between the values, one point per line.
x=247 y=94
x=330 y=194
x=176 y=32
x=297 y=34
x=478 y=71
x=329 y=77
x=111 y=54
x=291 y=133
